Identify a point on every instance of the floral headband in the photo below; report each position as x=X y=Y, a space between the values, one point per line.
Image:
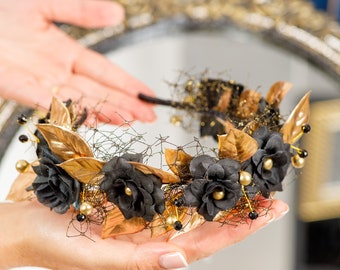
x=255 y=149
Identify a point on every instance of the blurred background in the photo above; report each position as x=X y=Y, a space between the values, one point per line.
x=256 y=43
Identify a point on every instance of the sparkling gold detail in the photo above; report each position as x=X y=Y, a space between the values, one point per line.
x=176 y=120
x=22 y=166
x=170 y=220
x=268 y=164
x=297 y=161
x=218 y=195
x=128 y=191
x=86 y=208
x=245 y=178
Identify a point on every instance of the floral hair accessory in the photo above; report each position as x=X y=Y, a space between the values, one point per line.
x=256 y=147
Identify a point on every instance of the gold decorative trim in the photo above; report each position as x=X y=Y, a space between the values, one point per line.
x=293 y=23
x=319 y=185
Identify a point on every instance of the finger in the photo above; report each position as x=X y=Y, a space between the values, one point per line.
x=85 y=13
x=110 y=99
x=99 y=68
x=211 y=237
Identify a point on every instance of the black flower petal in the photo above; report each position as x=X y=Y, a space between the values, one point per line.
x=145 y=197
x=54 y=187
x=271 y=146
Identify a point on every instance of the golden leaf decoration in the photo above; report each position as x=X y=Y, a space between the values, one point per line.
x=277 y=92
x=18 y=190
x=64 y=143
x=115 y=224
x=60 y=114
x=248 y=104
x=84 y=169
x=166 y=177
x=224 y=101
x=178 y=161
x=292 y=128
x=236 y=145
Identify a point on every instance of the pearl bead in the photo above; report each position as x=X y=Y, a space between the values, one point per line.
x=253 y=215
x=218 y=195
x=268 y=164
x=245 y=178
x=86 y=208
x=22 y=166
x=178 y=225
x=128 y=191
x=298 y=162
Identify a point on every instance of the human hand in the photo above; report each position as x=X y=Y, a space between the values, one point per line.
x=33 y=235
x=38 y=60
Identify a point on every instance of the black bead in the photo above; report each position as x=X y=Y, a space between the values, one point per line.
x=306 y=128
x=22 y=119
x=303 y=153
x=179 y=202
x=178 y=225
x=23 y=138
x=253 y=215
x=81 y=217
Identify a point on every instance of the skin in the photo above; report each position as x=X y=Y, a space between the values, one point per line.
x=33 y=235
x=38 y=60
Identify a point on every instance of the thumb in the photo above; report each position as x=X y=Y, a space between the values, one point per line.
x=84 y=13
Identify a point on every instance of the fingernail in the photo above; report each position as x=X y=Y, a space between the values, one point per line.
x=282 y=213
x=173 y=260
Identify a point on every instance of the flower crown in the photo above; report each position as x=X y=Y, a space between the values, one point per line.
x=255 y=149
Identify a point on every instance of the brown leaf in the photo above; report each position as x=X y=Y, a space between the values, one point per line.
x=248 y=104
x=166 y=177
x=64 y=143
x=277 y=92
x=292 y=128
x=178 y=161
x=115 y=224
x=236 y=145
x=224 y=101
x=84 y=169
x=60 y=115
x=18 y=190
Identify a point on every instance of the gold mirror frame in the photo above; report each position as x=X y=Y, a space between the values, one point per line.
x=294 y=24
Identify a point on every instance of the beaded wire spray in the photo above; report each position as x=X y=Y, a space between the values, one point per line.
x=107 y=182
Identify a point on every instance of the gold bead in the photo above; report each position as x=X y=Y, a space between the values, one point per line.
x=176 y=120
x=22 y=166
x=298 y=162
x=245 y=178
x=218 y=195
x=86 y=208
x=268 y=164
x=170 y=220
x=128 y=191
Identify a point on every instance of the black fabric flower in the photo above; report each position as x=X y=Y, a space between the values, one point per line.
x=54 y=187
x=135 y=193
x=271 y=147
x=215 y=186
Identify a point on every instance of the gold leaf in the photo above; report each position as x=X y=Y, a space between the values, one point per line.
x=84 y=169
x=166 y=177
x=292 y=128
x=178 y=161
x=224 y=101
x=18 y=190
x=248 y=104
x=64 y=143
x=115 y=224
x=60 y=115
x=277 y=92
x=236 y=145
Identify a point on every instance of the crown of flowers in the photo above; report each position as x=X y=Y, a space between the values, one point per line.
x=255 y=149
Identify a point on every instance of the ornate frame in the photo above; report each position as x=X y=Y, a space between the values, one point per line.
x=318 y=194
